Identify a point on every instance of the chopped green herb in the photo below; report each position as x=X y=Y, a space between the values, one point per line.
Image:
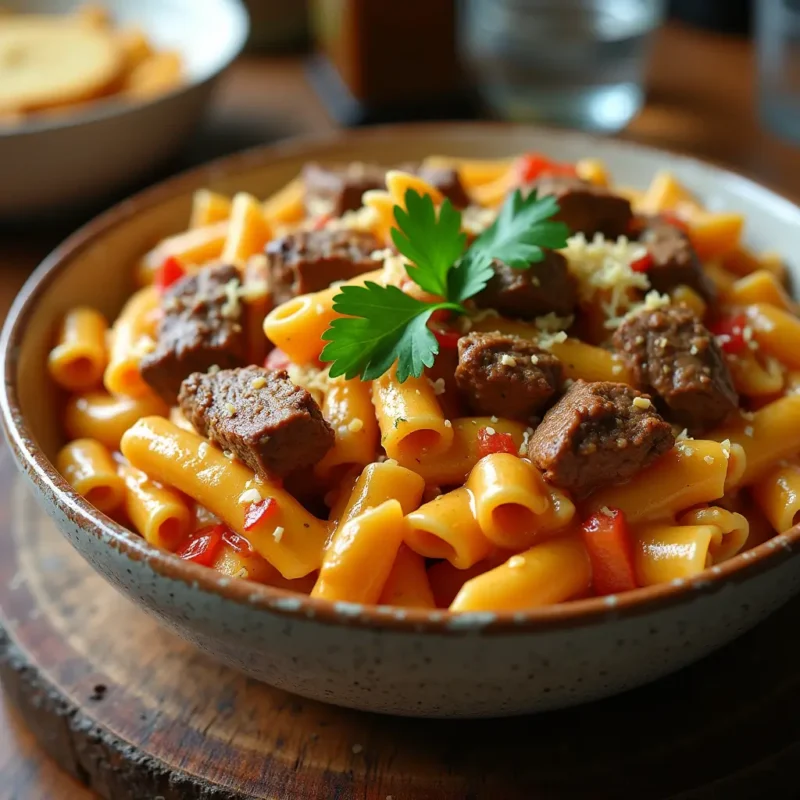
x=382 y=325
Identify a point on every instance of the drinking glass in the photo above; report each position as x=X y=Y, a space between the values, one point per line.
x=778 y=39
x=577 y=63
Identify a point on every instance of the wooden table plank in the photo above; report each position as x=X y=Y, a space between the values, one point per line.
x=701 y=101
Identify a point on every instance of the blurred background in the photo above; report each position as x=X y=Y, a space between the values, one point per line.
x=191 y=80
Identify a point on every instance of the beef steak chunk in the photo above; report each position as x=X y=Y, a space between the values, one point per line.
x=308 y=261
x=674 y=261
x=598 y=434
x=338 y=188
x=587 y=208
x=544 y=287
x=671 y=354
x=201 y=325
x=259 y=415
x=447 y=181
x=506 y=375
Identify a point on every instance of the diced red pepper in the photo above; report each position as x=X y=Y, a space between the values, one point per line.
x=610 y=548
x=276 y=359
x=259 y=512
x=203 y=546
x=490 y=441
x=532 y=165
x=170 y=271
x=642 y=264
x=448 y=340
x=237 y=542
x=729 y=331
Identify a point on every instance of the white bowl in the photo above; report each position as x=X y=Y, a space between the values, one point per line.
x=77 y=158
x=380 y=658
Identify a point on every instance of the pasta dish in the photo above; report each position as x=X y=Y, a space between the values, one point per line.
x=456 y=384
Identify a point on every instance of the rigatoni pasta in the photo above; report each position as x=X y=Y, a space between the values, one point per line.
x=473 y=397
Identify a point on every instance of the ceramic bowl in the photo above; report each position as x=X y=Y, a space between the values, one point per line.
x=380 y=658
x=76 y=158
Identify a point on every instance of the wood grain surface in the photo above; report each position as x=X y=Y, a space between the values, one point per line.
x=702 y=101
x=128 y=708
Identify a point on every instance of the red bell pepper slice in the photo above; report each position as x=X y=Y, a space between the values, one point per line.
x=237 y=542
x=168 y=273
x=642 y=264
x=448 y=340
x=259 y=512
x=276 y=359
x=532 y=165
x=203 y=546
x=729 y=331
x=490 y=441
x=610 y=548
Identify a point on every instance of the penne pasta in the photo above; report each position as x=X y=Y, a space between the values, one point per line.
x=92 y=473
x=407 y=584
x=410 y=419
x=78 y=360
x=290 y=538
x=132 y=336
x=731 y=530
x=348 y=408
x=105 y=417
x=208 y=207
x=360 y=559
x=454 y=464
x=511 y=500
x=766 y=436
x=665 y=552
x=446 y=527
x=161 y=515
x=545 y=574
x=694 y=471
x=296 y=326
x=777 y=494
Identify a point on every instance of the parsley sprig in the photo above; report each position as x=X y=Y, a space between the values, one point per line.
x=382 y=325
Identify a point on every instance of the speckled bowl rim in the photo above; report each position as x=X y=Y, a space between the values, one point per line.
x=37 y=467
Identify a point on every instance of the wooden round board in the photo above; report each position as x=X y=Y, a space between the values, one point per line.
x=135 y=712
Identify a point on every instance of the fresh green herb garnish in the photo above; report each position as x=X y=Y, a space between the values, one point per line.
x=382 y=324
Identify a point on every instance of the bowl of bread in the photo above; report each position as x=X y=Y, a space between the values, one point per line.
x=93 y=97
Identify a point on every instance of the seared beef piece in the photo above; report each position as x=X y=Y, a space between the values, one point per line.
x=309 y=261
x=587 y=208
x=598 y=434
x=259 y=415
x=671 y=354
x=201 y=324
x=446 y=180
x=506 y=375
x=526 y=293
x=674 y=260
x=338 y=188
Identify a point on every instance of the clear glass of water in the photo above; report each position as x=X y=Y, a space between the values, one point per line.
x=778 y=37
x=576 y=63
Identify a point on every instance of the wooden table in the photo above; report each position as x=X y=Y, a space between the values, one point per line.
x=702 y=101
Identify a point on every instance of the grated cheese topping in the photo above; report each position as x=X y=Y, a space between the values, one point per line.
x=508 y=361
x=438 y=386
x=603 y=267
x=248 y=496
x=642 y=402
x=277 y=534
x=231 y=308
